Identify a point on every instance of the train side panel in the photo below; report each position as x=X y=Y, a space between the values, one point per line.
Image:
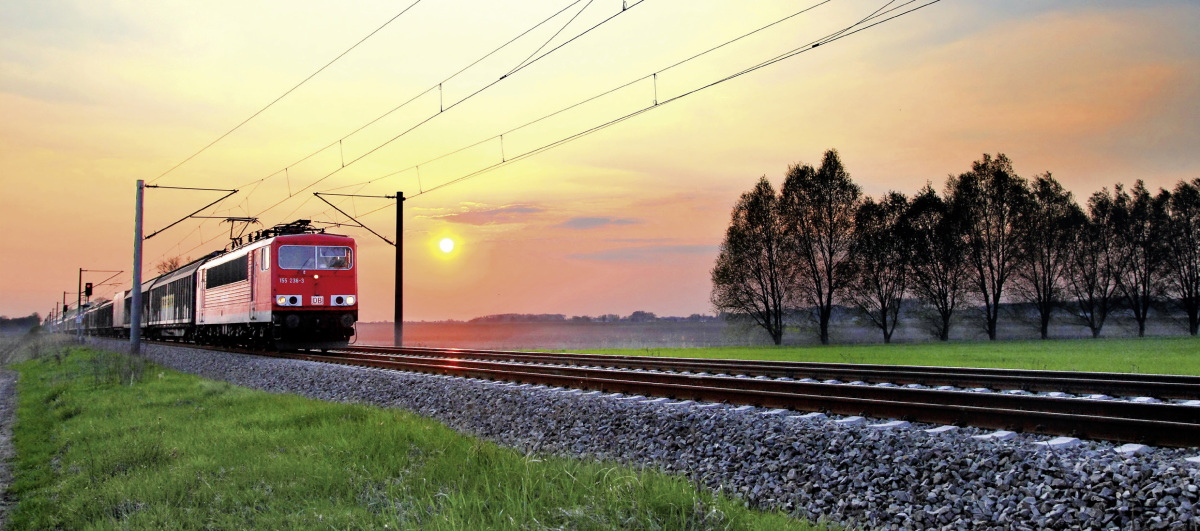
x=261 y=286
x=171 y=302
x=225 y=289
x=120 y=315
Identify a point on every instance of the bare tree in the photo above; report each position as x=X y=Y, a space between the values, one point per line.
x=880 y=254
x=817 y=211
x=170 y=264
x=1182 y=248
x=989 y=199
x=939 y=259
x=1094 y=264
x=750 y=277
x=1139 y=220
x=1046 y=228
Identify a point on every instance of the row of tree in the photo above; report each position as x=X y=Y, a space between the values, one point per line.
x=19 y=324
x=990 y=238
x=638 y=316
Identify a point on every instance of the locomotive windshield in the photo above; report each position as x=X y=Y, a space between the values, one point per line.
x=314 y=257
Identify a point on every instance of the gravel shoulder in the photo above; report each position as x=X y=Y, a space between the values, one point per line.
x=853 y=475
x=8 y=416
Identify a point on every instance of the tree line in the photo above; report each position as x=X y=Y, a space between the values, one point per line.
x=989 y=238
x=19 y=324
x=638 y=316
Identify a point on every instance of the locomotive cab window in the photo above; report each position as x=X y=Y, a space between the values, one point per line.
x=315 y=257
x=333 y=258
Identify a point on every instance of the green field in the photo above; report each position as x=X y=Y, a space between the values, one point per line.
x=173 y=451
x=1175 y=355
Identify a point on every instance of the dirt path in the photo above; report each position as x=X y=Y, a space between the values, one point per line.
x=8 y=416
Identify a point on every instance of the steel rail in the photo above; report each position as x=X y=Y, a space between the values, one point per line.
x=1161 y=424
x=1113 y=384
x=1148 y=411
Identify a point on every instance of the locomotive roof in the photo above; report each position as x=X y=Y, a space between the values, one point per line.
x=191 y=267
x=300 y=230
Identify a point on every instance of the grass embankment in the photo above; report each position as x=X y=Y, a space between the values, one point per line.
x=1175 y=355
x=175 y=451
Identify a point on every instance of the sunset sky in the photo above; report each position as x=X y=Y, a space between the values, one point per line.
x=96 y=94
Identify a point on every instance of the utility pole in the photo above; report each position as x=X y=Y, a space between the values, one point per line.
x=398 y=308
x=398 y=331
x=79 y=304
x=84 y=295
x=135 y=309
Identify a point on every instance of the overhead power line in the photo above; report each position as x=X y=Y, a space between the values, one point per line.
x=593 y=98
x=437 y=86
x=289 y=91
x=797 y=51
x=442 y=109
x=843 y=33
x=522 y=64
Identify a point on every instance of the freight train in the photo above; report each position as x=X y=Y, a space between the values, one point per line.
x=289 y=287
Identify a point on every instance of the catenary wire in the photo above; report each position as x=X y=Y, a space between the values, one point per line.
x=289 y=91
x=258 y=182
x=610 y=91
x=845 y=32
x=432 y=88
x=592 y=98
x=794 y=52
x=813 y=44
x=551 y=39
x=440 y=112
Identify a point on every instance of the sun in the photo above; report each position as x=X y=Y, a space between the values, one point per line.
x=446 y=245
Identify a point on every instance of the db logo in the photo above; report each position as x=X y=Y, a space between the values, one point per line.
x=318 y=300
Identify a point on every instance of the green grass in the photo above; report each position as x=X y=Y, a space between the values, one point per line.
x=1175 y=355
x=175 y=451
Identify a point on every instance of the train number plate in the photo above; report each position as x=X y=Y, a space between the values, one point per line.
x=318 y=300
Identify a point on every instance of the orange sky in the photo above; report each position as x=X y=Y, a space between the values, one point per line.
x=95 y=95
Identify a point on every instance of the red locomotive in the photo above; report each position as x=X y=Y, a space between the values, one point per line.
x=291 y=286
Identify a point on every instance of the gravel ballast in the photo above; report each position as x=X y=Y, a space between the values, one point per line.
x=855 y=475
x=8 y=416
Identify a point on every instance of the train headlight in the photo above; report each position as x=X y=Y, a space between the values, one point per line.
x=350 y=300
x=287 y=300
x=342 y=300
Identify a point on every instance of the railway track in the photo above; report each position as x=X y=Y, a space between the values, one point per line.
x=1082 y=383
x=907 y=393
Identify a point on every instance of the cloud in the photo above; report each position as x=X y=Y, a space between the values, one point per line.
x=647 y=253
x=591 y=223
x=493 y=216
